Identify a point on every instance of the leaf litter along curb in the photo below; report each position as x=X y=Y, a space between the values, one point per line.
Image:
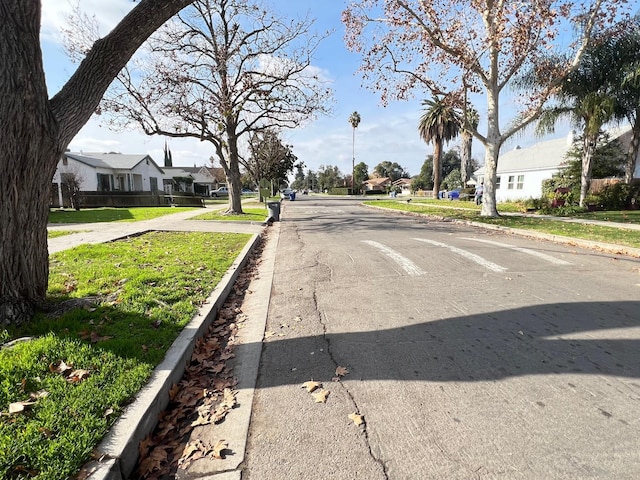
x=204 y=396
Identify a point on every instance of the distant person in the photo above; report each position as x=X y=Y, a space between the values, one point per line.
x=479 y=193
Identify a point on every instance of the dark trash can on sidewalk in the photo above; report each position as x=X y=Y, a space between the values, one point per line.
x=292 y=196
x=274 y=210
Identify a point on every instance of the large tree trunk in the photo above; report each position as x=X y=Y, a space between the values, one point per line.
x=634 y=147
x=465 y=157
x=28 y=161
x=234 y=176
x=437 y=167
x=35 y=131
x=492 y=144
x=589 y=147
x=489 y=206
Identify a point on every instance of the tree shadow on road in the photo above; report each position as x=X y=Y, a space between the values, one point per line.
x=590 y=338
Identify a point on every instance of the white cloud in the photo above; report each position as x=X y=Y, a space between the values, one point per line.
x=55 y=12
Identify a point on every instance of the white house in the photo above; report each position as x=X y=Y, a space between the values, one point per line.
x=203 y=179
x=521 y=171
x=404 y=184
x=111 y=172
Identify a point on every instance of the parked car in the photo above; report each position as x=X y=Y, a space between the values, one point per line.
x=221 y=192
x=248 y=191
x=285 y=193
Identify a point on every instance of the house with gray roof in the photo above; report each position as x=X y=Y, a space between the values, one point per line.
x=111 y=172
x=197 y=180
x=521 y=171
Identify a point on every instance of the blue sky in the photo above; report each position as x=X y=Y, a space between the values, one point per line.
x=385 y=133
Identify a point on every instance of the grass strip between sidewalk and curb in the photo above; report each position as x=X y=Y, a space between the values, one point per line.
x=590 y=232
x=248 y=215
x=108 y=214
x=115 y=310
x=59 y=233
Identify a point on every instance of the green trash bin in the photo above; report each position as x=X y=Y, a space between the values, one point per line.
x=274 y=210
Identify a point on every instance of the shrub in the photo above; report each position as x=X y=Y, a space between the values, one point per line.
x=563 y=211
x=531 y=203
x=617 y=196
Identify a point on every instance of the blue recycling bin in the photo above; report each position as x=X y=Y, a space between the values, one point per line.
x=292 y=196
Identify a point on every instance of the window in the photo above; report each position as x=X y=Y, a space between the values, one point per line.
x=104 y=182
x=498 y=183
x=520 y=184
x=512 y=180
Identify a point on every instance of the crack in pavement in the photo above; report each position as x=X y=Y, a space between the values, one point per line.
x=322 y=318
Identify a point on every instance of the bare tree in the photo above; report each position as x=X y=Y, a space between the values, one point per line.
x=220 y=70
x=444 y=46
x=36 y=131
x=71 y=181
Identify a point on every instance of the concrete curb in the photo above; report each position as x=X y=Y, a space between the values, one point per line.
x=119 y=448
x=572 y=241
x=245 y=366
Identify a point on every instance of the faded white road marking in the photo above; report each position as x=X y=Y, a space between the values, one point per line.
x=407 y=265
x=528 y=251
x=468 y=255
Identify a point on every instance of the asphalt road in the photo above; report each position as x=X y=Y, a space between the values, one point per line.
x=470 y=353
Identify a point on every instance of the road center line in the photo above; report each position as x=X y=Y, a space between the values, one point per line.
x=528 y=251
x=407 y=265
x=468 y=255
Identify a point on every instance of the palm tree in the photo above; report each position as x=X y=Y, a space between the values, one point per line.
x=466 y=132
x=439 y=123
x=354 y=120
x=625 y=54
x=587 y=99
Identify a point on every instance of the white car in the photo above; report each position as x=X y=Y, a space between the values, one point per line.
x=221 y=192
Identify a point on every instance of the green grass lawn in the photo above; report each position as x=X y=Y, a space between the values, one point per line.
x=624 y=216
x=106 y=214
x=250 y=215
x=133 y=297
x=59 y=233
x=630 y=238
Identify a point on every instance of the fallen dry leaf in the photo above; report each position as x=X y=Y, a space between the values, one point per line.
x=341 y=371
x=78 y=375
x=145 y=445
x=19 y=407
x=219 y=414
x=189 y=450
x=39 y=394
x=321 y=396
x=95 y=337
x=357 y=419
x=60 y=367
x=219 y=448
x=311 y=386
x=229 y=398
